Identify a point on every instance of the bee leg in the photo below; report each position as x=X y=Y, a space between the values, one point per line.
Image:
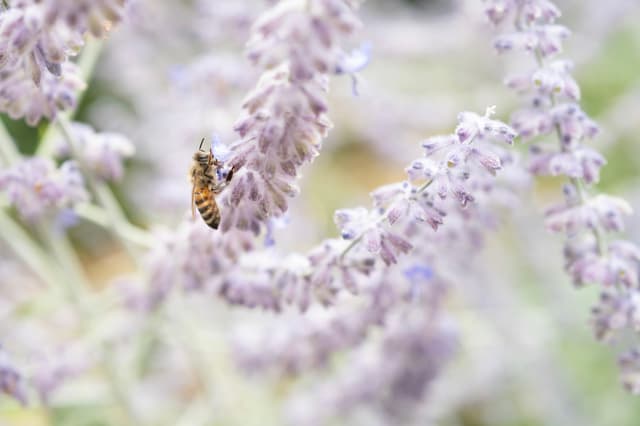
x=230 y=174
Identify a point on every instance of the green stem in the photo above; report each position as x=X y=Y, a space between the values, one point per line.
x=118 y=392
x=31 y=254
x=75 y=286
x=8 y=150
x=116 y=216
x=86 y=63
x=126 y=230
x=199 y=362
x=75 y=282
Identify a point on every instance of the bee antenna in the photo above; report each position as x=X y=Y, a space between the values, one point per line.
x=200 y=147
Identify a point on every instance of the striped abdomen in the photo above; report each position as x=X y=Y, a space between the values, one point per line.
x=207 y=206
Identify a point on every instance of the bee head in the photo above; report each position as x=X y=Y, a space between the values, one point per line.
x=203 y=157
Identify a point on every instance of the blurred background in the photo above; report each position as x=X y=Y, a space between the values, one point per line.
x=174 y=72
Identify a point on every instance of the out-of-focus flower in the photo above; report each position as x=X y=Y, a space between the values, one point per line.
x=629 y=363
x=102 y=153
x=585 y=219
x=20 y=97
x=53 y=369
x=39 y=37
x=35 y=186
x=602 y=211
x=392 y=377
x=11 y=380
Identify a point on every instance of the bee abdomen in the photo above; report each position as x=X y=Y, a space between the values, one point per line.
x=209 y=211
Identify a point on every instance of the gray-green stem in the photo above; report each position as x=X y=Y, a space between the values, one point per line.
x=8 y=150
x=87 y=63
x=117 y=219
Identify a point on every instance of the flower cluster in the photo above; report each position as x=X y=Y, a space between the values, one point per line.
x=393 y=382
x=387 y=261
x=102 y=153
x=39 y=37
x=457 y=169
x=552 y=107
x=11 y=380
x=297 y=44
x=35 y=187
x=311 y=343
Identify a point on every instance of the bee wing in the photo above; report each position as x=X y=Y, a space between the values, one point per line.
x=193 y=202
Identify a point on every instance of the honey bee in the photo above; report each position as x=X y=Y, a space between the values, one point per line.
x=208 y=179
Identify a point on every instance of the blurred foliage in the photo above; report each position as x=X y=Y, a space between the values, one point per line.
x=614 y=71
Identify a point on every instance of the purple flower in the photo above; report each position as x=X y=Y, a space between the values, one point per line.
x=583 y=163
x=600 y=211
x=102 y=153
x=52 y=370
x=11 y=380
x=36 y=78
x=285 y=121
x=392 y=377
x=616 y=311
x=586 y=219
x=629 y=363
x=21 y=98
x=35 y=187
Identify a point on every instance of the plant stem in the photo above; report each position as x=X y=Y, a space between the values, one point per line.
x=130 y=232
x=118 y=392
x=116 y=217
x=87 y=64
x=8 y=150
x=23 y=246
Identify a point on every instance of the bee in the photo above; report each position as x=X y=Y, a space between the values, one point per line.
x=208 y=179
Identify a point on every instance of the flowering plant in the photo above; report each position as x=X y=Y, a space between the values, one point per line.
x=119 y=306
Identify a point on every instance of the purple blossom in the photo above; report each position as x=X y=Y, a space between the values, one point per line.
x=36 y=186
x=445 y=173
x=403 y=215
x=601 y=211
x=584 y=218
x=102 y=153
x=21 y=98
x=616 y=311
x=11 y=380
x=393 y=380
x=36 y=77
x=312 y=342
x=582 y=163
x=629 y=363
x=51 y=370
x=297 y=46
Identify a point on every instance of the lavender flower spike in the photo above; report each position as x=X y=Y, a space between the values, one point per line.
x=551 y=107
x=297 y=45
